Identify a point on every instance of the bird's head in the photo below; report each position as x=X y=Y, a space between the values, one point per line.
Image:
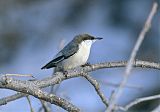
x=86 y=38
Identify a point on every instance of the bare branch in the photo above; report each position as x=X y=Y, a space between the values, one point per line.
x=139 y=100
x=97 y=88
x=30 y=105
x=59 y=77
x=20 y=75
x=129 y=66
x=29 y=87
x=115 y=85
x=45 y=106
x=14 y=97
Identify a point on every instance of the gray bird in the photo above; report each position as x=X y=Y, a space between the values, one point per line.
x=74 y=54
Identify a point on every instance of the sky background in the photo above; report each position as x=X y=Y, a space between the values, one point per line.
x=32 y=32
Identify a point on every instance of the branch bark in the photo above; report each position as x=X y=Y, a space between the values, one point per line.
x=28 y=87
x=33 y=87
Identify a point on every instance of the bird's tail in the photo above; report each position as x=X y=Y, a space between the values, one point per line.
x=53 y=63
x=48 y=65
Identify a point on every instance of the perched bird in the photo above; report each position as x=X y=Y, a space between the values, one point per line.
x=74 y=54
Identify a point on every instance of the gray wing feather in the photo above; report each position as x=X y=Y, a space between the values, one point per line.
x=66 y=52
x=70 y=49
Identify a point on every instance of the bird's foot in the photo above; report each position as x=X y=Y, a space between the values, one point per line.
x=65 y=73
x=86 y=64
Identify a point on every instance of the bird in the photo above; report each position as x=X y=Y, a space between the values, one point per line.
x=74 y=54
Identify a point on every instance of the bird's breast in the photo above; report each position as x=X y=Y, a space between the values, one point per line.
x=79 y=58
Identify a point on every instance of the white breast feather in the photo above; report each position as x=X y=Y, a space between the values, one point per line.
x=79 y=58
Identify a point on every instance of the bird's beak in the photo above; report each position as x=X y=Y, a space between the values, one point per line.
x=98 y=38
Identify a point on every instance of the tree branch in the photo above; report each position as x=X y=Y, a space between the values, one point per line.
x=13 y=84
x=59 y=77
x=97 y=88
x=14 y=97
x=129 y=66
x=30 y=105
x=44 y=107
x=139 y=100
x=30 y=88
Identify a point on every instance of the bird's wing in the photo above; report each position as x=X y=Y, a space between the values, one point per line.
x=66 y=52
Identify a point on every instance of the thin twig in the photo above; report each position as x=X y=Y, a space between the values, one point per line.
x=14 y=97
x=139 y=100
x=132 y=57
x=97 y=88
x=44 y=107
x=19 y=75
x=30 y=105
x=115 y=85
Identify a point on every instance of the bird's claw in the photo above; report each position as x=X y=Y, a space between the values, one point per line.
x=86 y=64
x=65 y=73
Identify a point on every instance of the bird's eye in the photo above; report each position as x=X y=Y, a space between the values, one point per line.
x=92 y=38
